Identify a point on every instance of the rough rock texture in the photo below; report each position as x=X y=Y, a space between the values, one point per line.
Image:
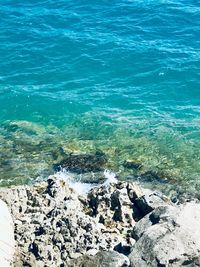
x=7 y=243
x=168 y=236
x=55 y=226
x=114 y=205
x=51 y=226
x=101 y=259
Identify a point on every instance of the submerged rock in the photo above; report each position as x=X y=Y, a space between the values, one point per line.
x=130 y=164
x=82 y=163
x=152 y=177
x=89 y=177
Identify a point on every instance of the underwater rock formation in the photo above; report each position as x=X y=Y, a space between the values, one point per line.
x=82 y=163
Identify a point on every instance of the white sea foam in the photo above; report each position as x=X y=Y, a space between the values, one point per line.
x=81 y=188
x=110 y=177
x=78 y=186
x=84 y=188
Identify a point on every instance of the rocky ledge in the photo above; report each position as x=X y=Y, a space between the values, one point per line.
x=114 y=225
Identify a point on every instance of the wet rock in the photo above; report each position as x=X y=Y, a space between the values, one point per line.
x=101 y=259
x=92 y=177
x=82 y=163
x=151 y=177
x=169 y=236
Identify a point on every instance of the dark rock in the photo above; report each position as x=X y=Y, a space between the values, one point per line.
x=40 y=231
x=50 y=187
x=82 y=163
x=35 y=250
x=123 y=249
x=132 y=165
x=152 y=177
x=146 y=203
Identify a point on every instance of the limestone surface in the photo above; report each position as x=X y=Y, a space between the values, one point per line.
x=113 y=225
x=168 y=236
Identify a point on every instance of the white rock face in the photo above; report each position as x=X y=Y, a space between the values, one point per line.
x=7 y=243
x=169 y=236
x=189 y=219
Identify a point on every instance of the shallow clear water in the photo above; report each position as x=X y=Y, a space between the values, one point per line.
x=121 y=77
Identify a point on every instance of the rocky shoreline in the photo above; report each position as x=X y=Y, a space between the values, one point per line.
x=113 y=225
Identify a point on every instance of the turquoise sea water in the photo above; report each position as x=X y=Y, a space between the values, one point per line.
x=120 y=77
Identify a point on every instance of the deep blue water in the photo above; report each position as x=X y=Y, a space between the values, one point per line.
x=117 y=76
